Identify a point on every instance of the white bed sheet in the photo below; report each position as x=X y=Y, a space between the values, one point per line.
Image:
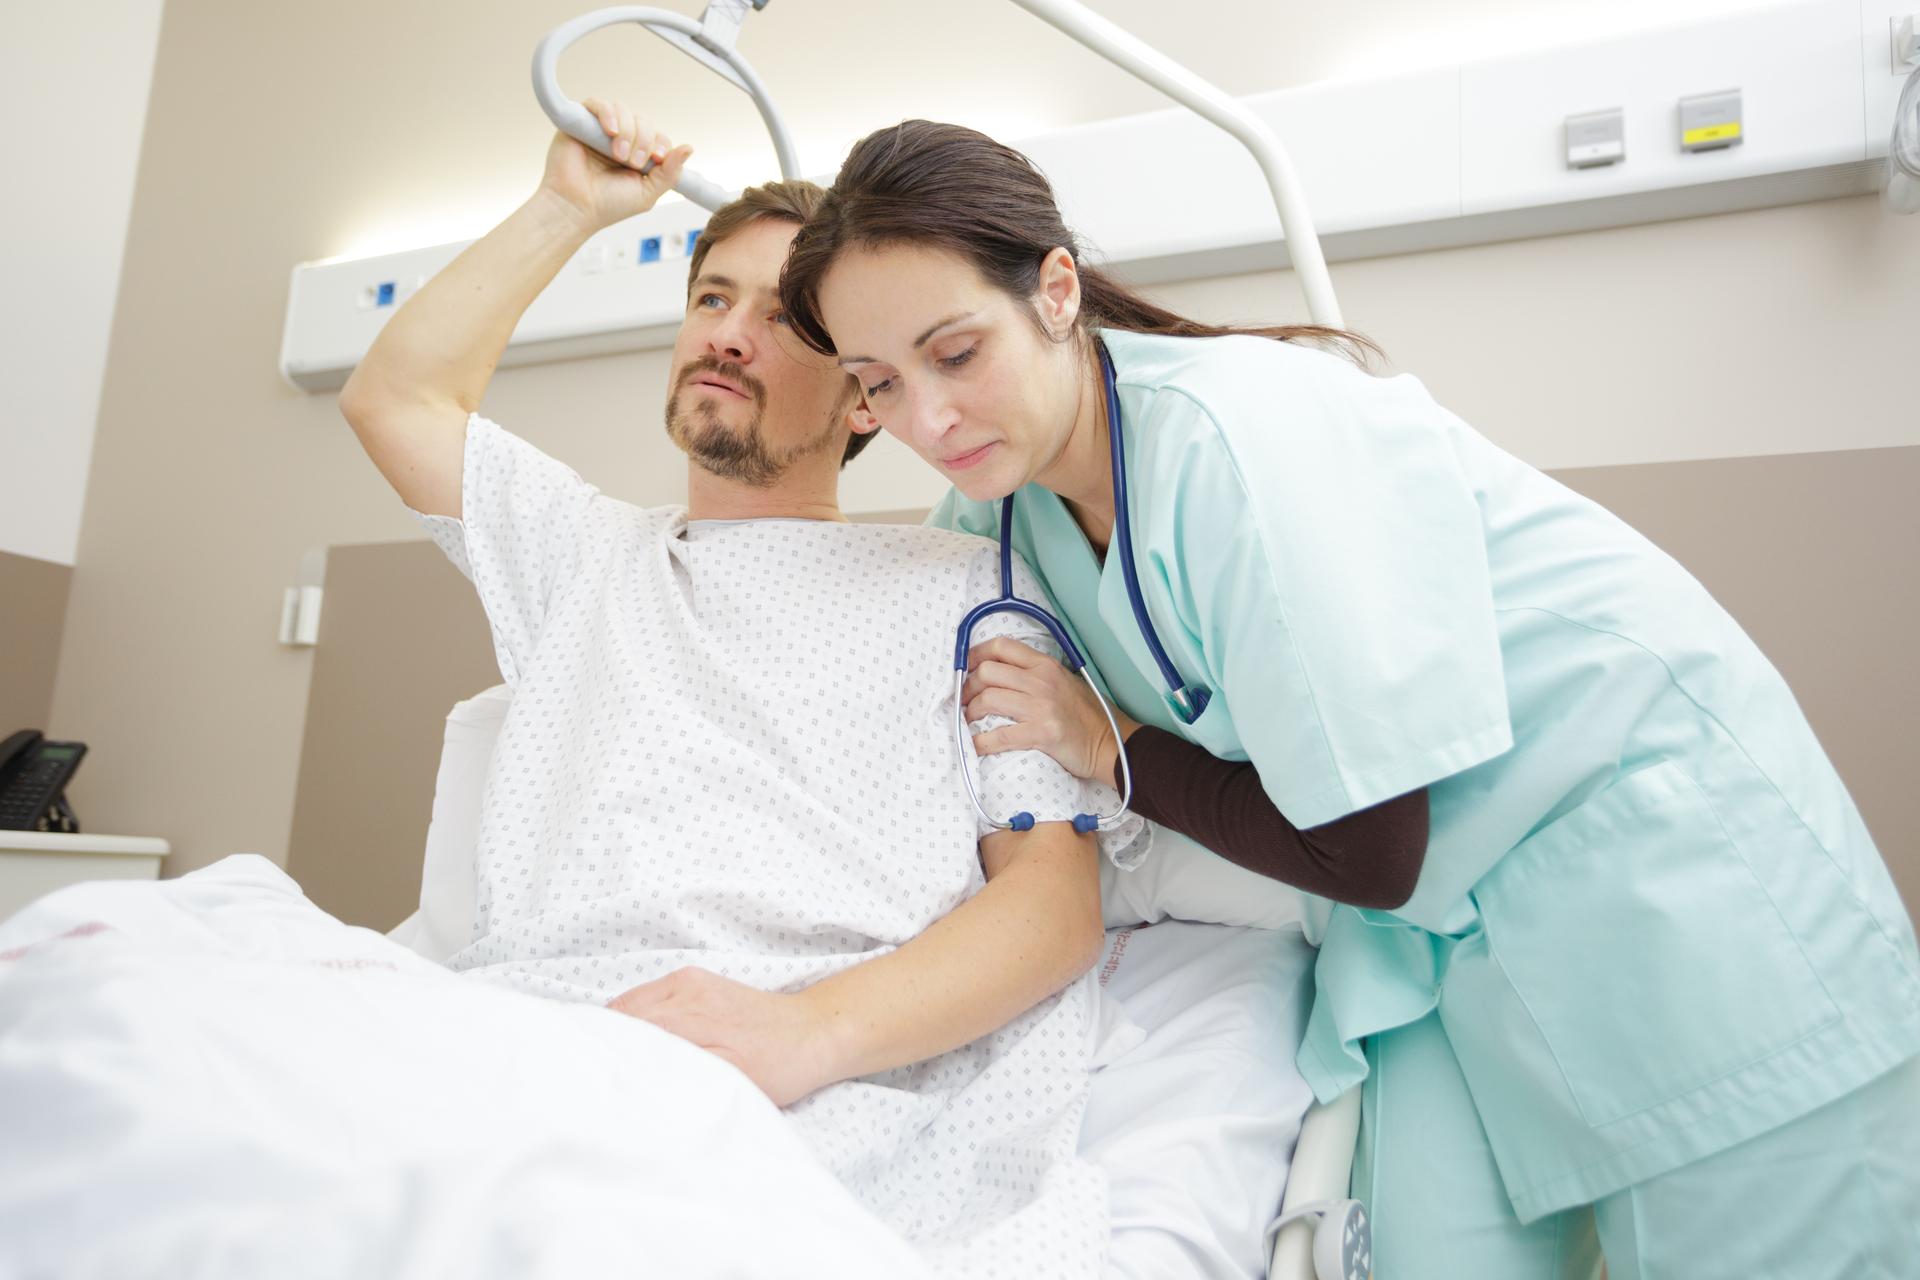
x=1196 y=1124
x=187 y=1089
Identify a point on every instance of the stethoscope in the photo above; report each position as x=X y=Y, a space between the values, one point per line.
x=1186 y=700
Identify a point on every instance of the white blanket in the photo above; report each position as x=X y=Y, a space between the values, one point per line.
x=210 y=1077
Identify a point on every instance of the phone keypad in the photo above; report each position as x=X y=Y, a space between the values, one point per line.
x=30 y=793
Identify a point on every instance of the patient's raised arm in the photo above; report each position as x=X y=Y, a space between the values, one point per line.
x=409 y=398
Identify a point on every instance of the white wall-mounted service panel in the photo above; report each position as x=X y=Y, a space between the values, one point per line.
x=1163 y=192
x=625 y=290
x=1424 y=160
x=1796 y=69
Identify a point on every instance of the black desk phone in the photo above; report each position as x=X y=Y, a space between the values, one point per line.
x=33 y=779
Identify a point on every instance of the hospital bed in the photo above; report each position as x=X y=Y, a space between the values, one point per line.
x=1322 y=1162
x=1206 y=1167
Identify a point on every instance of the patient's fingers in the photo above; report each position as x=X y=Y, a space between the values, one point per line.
x=635 y=1000
x=659 y=145
x=627 y=143
x=598 y=110
x=649 y=995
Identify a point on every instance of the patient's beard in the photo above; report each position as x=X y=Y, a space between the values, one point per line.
x=732 y=453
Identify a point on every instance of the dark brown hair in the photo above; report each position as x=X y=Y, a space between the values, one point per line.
x=950 y=187
x=792 y=201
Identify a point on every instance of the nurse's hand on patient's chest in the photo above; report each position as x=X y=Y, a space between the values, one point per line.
x=1053 y=709
x=778 y=1040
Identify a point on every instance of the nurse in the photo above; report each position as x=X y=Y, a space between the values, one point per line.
x=1603 y=938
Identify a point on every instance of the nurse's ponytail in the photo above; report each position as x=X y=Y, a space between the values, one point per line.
x=949 y=187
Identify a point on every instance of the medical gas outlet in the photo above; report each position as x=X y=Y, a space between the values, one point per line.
x=1710 y=121
x=1596 y=138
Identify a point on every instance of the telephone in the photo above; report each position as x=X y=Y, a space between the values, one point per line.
x=33 y=778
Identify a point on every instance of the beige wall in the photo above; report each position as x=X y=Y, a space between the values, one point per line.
x=33 y=607
x=280 y=132
x=67 y=72
x=403 y=639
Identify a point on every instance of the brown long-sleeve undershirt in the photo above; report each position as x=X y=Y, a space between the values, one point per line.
x=1368 y=859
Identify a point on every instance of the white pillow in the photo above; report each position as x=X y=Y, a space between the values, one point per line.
x=1180 y=879
x=448 y=875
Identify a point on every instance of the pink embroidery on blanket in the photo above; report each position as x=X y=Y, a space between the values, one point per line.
x=355 y=963
x=86 y=930
x=1112 y=965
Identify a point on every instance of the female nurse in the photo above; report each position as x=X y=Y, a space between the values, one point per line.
x=1601 y=931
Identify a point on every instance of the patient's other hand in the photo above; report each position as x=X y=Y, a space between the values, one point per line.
x=778 y=1040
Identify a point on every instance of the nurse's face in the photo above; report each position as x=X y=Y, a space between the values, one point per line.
x=954 y=366
x=749 y=399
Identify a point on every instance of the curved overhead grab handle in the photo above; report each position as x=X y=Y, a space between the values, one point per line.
x=1902 y=193
x=709 y=42
x=1140 y=59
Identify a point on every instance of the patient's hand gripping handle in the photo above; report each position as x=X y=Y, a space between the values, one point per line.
x=709 y=42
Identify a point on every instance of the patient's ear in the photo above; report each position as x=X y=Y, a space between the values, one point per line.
x=860 y=419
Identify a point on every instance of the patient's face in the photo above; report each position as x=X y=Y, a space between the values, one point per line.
x=748 y=399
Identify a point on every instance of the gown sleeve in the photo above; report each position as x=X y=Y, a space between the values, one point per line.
x=518 y=535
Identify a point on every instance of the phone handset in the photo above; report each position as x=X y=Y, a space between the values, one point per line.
x=33 y=779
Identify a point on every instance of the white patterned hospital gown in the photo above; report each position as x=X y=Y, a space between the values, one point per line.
x=730 y=745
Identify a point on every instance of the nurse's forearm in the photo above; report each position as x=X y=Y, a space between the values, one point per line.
x=1367 y=859
x=446 y=341
x=1033 y=929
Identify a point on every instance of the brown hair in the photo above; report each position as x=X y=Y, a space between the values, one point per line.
x=953 y=188
x=792 y=201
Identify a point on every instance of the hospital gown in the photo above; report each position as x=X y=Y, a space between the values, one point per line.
x=730 y=746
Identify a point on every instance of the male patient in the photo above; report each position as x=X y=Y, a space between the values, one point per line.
x=726 y=798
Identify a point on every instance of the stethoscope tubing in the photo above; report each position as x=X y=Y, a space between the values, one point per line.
x=1187 y=701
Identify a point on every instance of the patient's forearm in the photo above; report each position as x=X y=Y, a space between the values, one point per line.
x=445 y=342
x=1034 y=928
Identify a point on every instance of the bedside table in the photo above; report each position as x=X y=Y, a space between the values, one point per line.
x=35 y=863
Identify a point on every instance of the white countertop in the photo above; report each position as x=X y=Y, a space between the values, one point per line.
x=85 y=842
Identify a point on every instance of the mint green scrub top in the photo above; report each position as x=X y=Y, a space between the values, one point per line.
x=1650 y=917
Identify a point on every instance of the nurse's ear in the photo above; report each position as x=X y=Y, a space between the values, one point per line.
x=1057 y=298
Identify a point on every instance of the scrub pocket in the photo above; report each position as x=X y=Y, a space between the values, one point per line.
x=1644 y=948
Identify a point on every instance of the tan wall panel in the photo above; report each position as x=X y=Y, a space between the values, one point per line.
x=33 y=609
x=1813 y=553
x=1818 y=557
x=402 y=638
